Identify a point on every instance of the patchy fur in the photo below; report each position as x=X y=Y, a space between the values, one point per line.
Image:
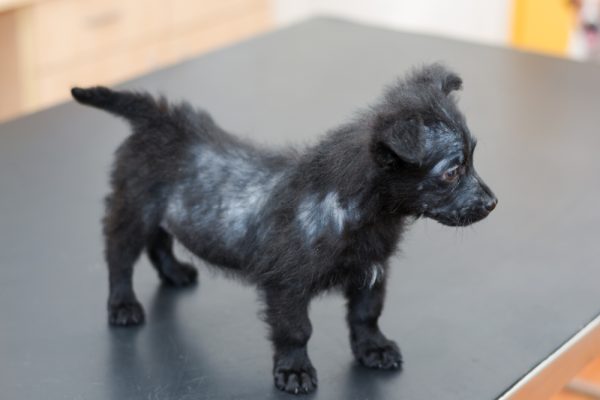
x=295 y=224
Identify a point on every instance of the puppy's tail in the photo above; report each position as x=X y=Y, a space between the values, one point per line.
x=129 y=105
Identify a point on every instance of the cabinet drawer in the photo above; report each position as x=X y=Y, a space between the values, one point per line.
x=68 y=31
x=219 y=33
x=189 y=14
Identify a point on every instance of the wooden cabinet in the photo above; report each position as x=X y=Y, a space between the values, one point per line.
x=47 y=46
x=67 y=32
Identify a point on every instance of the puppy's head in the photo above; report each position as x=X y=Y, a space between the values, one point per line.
x=424 y=150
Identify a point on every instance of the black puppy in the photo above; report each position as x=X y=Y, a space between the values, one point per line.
x=295 y=224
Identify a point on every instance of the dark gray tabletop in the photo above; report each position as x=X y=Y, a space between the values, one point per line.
x=473 y=309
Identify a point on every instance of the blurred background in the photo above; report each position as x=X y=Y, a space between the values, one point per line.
x=47 y=46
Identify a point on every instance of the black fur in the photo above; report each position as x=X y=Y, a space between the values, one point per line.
x=295 y=224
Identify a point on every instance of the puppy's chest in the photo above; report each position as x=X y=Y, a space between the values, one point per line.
x=359 y=257
x=360 y=275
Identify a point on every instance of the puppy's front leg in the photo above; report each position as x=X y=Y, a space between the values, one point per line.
x=287 y=315
x=370 y=347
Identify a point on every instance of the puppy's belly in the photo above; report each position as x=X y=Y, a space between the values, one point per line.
x=211 y=228
x=207 y=246
x=213 y=213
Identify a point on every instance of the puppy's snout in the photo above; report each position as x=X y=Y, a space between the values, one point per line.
x=490 y=204
x=489 y=201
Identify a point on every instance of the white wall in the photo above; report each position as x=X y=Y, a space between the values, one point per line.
x=485 y=21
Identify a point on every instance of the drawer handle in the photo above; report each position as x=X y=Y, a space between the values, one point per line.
x=103 y=19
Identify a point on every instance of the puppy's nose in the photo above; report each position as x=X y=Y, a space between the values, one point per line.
x=491 y=204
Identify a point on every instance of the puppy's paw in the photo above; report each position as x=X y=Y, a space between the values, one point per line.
x=295 y=380
x=180 y=275
x=385 y=355
x=125 y=314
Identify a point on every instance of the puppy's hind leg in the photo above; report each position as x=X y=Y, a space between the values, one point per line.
x=125 y=240
x=170 y=270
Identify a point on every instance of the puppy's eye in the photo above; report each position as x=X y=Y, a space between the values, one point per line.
x=452 y=174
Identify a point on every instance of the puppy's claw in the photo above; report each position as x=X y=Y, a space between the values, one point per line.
x=125 y=314
x=295 y=381
x=385 y=355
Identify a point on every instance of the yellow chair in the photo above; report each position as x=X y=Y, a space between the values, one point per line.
x=542 y=25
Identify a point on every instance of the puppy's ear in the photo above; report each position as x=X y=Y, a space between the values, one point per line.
x=440 y=77
x=398 y=141
x=451 y=82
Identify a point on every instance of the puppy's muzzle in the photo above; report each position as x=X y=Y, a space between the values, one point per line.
x=478 y=208
x=482 y=209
